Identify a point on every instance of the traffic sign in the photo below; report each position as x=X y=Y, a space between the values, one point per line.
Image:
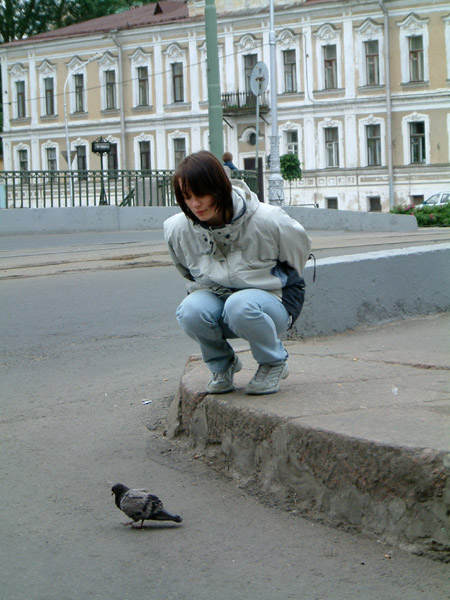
x=259 y=79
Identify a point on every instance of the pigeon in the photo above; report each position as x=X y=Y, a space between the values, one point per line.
x=140 y=505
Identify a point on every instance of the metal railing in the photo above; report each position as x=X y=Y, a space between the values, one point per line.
x=233 y=102
x=56 y=189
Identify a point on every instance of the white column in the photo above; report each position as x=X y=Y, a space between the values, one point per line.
x=231 y=83
x=33 y=90
x=193 y=73
x=159 y=79
x=310 y=150
x=349 y=59
x=351 y=142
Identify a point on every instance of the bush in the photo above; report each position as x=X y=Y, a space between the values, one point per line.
x=428 y=216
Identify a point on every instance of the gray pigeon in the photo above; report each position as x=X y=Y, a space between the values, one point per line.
x=140 y=505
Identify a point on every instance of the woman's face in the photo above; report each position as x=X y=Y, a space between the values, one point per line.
x=204 y=209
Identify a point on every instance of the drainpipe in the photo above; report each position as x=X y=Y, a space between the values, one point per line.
x=123 y=154
x=387 y=70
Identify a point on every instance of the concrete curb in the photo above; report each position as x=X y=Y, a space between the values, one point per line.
x=399 y=494
x=365 y=289
x=16 y=221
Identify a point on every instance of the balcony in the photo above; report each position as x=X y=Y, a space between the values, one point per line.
x=234 y=103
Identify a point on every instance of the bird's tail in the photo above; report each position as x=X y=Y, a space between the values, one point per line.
x=163 y=515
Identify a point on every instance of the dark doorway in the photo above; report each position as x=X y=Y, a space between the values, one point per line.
x=249 y=165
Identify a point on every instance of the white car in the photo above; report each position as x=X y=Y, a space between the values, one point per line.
x=438 y=199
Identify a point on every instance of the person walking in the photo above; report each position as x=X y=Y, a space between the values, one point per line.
x=242 y=260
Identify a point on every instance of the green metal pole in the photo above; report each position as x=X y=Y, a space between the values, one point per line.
x=214 y=96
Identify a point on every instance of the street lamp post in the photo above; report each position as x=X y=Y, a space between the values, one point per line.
x=66 y=122
x=276 y=185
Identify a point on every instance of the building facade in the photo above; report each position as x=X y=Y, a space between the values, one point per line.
x=363 y=94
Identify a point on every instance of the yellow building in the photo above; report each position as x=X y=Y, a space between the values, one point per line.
x=363 y=91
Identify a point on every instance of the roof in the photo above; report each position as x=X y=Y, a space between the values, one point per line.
x=140 y=16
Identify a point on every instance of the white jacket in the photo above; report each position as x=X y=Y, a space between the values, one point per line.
x=261 y=248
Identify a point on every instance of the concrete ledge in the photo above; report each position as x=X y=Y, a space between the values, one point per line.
x=365 y=289
x=350 y=220
x=24 y=221
x=396 y=492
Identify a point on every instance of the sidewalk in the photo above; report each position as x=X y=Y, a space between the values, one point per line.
x=358 y=436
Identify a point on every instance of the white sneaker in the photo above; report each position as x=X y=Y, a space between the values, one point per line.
x=267 y=378
x=222 y=383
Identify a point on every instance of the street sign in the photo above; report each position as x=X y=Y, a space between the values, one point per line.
x=72 y=155
x=259 y=79
x=101 y=146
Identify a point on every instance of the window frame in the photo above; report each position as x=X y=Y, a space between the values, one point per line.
x=329 y=65
x=333 y=146
x=417 y=143
x=290 y=71
x=146 y=155
x=110 y=83
x=375 y=65
x=416 y=60
x=373 y=144
x=413 y=26
x=49 y=102
x=21 y=99
x=143 y=88
x=177 y=81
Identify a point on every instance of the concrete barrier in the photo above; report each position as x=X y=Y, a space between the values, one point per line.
x=27 y=221
x=366 y=289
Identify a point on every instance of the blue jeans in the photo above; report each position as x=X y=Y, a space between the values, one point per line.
x=254 y=315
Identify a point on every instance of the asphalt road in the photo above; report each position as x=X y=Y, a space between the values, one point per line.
x=38 y=255
x=82 y=354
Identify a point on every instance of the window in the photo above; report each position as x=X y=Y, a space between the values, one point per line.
x=49 y=96
x=78 y=80
x=51 y=159
x=251 y=140
x=20 y=95
x=250 y=61
x=416 y=71
x=332 y=203
x=372 y=63
x=330 y=66
x=110 y=83
x=332 y=146
x=417 y=141
x=144 y=153
x=292 y=142
x=177 y=82
x=373 y=138
x=142 y=86
x=23 y=160
x=179 y=148
x=112 y=158
x=375 y=204
x=81 y=161
x=290 y=79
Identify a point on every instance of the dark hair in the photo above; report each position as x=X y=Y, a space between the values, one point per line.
x=227 y=156
x=202 y=174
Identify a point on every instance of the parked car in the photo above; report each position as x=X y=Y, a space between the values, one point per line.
x=438 y=199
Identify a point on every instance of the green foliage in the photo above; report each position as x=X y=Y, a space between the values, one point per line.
x=428 y=216
x=24 y=18
x=290 y=167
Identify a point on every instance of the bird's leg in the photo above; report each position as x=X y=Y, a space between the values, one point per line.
x=137 y=526
x=128 y=524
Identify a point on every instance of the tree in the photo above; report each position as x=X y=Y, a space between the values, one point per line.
x=24 y=18
x=290 y=170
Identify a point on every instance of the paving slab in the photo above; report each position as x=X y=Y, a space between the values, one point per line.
x=358 y=435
